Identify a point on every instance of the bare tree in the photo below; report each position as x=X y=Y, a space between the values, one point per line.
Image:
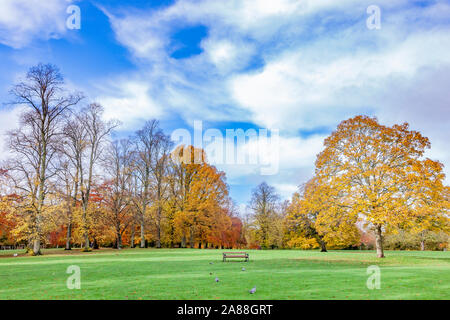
x=160 y=182
x=117 y=188
x=264 y=203
x=135 y=196
x=146 y=141
x=34 y=144
x=72 y=150
x=88 y=134
x=66 y=187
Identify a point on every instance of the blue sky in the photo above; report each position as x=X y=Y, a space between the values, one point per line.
x=299 y=66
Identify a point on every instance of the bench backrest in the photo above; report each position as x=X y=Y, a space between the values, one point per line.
x=235 y=253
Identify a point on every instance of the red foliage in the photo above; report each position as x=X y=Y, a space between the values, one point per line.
x=6 y=226
x=232 y=236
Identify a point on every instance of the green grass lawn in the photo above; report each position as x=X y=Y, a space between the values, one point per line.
x=185 y=274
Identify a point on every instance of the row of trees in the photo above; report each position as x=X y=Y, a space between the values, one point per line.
x=67 y=179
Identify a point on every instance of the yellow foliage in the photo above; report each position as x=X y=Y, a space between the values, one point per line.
x=376 y=174
x=302 y=243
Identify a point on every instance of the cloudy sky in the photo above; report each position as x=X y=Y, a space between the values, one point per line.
x=299 y=66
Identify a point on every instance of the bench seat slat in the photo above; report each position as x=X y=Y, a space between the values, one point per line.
x=235 y=253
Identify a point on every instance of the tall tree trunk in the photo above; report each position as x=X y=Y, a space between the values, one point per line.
x=69 y=236
x=323 y=246
x=132 y=236
x=422 y=245
x=379 y=242
x=87 y=246
x=142 y=233
x=191 y=239
x=36 y=247
x=144 y=207
x=72 y=207
x=158 y=228
x=41 y=198
x=183 y=241
x=171 y=238
x=119 y=240
x=29 y=246
x=95 y=244
x=158 y=217
x=37 y=238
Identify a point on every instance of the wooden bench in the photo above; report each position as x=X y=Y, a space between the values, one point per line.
x=243 y=255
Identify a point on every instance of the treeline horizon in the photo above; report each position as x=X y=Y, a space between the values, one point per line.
x=68 y=182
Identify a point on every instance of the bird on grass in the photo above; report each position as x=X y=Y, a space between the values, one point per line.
x=253 y=290
x=217 y=279
x=243 y=269
x=210 y=263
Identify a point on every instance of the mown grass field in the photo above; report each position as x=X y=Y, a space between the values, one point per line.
x=188 y=274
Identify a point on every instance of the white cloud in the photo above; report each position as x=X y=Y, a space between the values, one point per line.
x=9 y=120
x=21 y=21
x=129 y=101
x=228 y=55
x=295 y=157
x=297 y=90
x=286 y=190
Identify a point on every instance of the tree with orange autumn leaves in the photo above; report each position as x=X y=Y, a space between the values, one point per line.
x=6 y=223
x=200 y=201
x=376 y=174
x=313 y=221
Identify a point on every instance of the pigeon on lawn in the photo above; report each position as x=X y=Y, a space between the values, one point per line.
x=243 y=269
x=217 y=279
x=210 y=263
x=253 y=290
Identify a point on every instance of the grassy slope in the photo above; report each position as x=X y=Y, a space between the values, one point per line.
x=185 y=274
